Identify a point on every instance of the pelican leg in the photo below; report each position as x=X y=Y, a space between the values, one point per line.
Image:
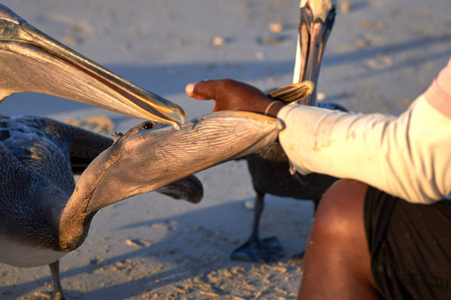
x=57 y=289
x=268 y=249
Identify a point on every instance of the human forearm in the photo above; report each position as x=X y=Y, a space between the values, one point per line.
x=403 y=156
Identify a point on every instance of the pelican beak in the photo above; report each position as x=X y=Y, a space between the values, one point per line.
x=293 y=93
x=143 y=159
x=31 y=61
x=314 y=30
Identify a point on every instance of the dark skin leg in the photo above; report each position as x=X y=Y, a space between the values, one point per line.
x=337 y=258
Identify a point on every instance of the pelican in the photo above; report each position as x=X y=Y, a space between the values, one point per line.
x=40 y=221
x=270 y=167
x=43 y=214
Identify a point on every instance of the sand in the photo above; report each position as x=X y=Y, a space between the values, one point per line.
x=380 y=56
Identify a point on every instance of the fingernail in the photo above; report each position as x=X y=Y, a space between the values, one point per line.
x=189 y=88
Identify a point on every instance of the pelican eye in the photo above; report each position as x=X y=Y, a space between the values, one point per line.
x=148 y=125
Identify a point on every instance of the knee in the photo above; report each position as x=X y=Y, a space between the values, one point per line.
x=340 y=210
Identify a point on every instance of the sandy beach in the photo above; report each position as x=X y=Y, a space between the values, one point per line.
x=381 y=55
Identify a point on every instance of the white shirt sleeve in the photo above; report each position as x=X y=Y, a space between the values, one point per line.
x=408 y=157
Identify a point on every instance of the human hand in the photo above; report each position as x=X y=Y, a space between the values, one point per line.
x=233 y=95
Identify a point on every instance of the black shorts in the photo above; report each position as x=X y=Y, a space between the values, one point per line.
x=410 y=246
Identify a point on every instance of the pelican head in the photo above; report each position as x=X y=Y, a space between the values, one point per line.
x=31 y=61
x=317 y=19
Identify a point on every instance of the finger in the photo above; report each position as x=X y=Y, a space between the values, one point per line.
x=209 y=89
x=202 y=90
x=190 y=91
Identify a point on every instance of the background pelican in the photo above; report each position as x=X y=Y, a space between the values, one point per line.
x=270 y=168
x=43 y=214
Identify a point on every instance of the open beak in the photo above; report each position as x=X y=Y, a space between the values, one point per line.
x=31 y=61
x=312 y=39
x=143 y=160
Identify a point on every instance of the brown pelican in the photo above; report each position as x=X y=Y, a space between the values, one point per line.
x=41 y=222
x=270 y=168
x=43 y=214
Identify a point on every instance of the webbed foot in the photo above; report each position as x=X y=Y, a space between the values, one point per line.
x=266 y=250
x=58 y=296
